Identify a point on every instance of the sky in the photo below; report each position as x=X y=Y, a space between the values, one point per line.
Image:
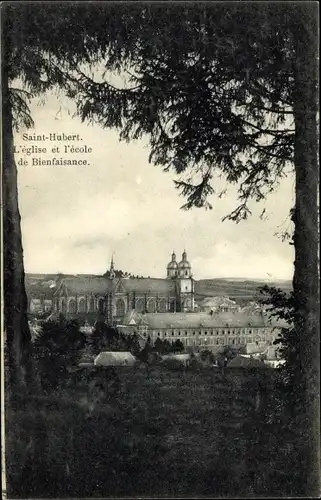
x=75 y=217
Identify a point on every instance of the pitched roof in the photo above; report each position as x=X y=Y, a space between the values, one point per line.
x=96 y=285
x=200 y=319
x=149 y=285
x=179 y=357
x=132 y=318
x=114 y=358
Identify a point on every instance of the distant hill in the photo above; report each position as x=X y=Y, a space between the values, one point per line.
x=241 y=290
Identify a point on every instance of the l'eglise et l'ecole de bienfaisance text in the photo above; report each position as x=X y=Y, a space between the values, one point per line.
x=25 y=151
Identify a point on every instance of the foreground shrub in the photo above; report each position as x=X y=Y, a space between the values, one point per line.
x=173 y=364
x=56 y=352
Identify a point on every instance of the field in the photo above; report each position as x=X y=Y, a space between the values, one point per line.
x=164 y=433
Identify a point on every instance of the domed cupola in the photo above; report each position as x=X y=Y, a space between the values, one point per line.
x=184 y=267
x=172 y=267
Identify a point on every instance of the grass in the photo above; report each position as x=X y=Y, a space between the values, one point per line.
x=165 y=433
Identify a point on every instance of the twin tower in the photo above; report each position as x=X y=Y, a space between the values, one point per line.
x=182 y=269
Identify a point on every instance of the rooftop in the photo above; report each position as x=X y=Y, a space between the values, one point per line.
x=114 y=358
x=146 y=285
x=85 y=285
x=199 y=319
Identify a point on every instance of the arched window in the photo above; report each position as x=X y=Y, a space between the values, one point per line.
x=140 y=305
x=91 y=305
x=82 y=305
x=162 y=305
x=72 y=306
x=100 y=304
x=120 y=307
x=151 y=307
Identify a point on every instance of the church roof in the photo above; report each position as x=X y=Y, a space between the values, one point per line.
x=149 y=285
x=172 y=265
x=86 y=285
x=98 y=285
x=204 y=320
x=184 y=264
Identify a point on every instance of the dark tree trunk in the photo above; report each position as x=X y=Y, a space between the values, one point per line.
x=16 y=328
x=305 y=281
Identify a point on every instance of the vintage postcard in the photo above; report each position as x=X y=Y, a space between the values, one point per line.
x=160 y=250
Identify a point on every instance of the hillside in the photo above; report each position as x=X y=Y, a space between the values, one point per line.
x=241 y=290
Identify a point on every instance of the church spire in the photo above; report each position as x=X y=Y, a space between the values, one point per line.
x=112 y=268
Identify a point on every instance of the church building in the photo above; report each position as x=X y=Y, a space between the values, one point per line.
x=80 y=296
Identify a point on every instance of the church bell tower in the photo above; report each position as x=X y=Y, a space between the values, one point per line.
x=172 y=267
x=185 y=285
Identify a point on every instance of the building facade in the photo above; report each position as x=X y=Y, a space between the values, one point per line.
x=198 y=331
x=115 y=297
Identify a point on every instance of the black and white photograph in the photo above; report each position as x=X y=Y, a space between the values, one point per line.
x=160 y=250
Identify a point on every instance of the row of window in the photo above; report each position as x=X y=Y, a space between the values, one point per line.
x=221 y=341
x=152 y=307
x=211 y=332
x=120 y=306
x=82 y=306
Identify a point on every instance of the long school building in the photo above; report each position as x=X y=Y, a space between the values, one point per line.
x=199 y=331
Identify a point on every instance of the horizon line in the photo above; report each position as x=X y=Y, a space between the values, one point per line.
x=159 y=277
